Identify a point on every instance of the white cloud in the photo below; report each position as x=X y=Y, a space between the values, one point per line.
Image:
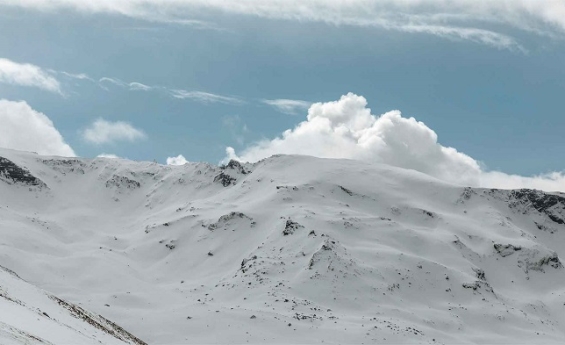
x=347 y=129
x=475 y=20
x=27 y=75
x=114 y=81
x=135 y=86
x=22 y=128
x=178 y=160
x=551 y=182
x=205 y=97
x=108 y=155
x=79 y=76
x=103 y=132
x=288 y=106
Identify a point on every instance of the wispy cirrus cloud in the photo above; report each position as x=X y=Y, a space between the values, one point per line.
x=25 y=74
x=104 y=132
x=288 y=106
x=481 y=21
x=205 y=97
x=197 y=96
x=113 y=81
x=79 y=76
x=135 y=86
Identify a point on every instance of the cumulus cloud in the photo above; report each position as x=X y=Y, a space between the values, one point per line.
x=288 y=106
x=178 y=160
x=347 y=129
x=104 y=132
x=205 y=97
x=22 y=128
x=24 y=74
x=481 y=21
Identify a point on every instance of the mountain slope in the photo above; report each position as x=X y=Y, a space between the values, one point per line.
x=29 y=315
x=290 y=249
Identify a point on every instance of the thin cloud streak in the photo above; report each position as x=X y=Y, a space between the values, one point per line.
x=205 y=97
x=452 y=19
x=288 y=106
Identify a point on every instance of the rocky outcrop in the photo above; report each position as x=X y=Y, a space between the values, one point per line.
x=225 y=179
x=122 y=182
x=549 y=204
x=528 y=200
x=14 y=174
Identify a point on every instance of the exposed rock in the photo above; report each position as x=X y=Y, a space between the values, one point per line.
x=291 y=227
x=235 y=165
x=13 y=174
x=350 y=193
x=226 y=218
x=506 y=249
x=479 y=285
x=122 y=181
x=99 y=322
x=468 y=192
x=480 y=274
x=530 y=259
x=526 y=200
x=65 y=166
x=225 y=179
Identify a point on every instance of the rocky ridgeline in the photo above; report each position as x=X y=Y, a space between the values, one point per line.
x=99 y=322
x=549 y=204
x=66 y=166
x=524 y=201
x=13 y=174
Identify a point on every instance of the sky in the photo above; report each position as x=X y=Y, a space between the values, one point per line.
x=467 y=91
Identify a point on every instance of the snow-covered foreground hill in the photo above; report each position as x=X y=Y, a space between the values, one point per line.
x=289 y=250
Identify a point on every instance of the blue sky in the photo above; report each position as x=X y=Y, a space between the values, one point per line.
x=489 y=82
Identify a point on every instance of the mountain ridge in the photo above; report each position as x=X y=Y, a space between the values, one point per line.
x=292 y=248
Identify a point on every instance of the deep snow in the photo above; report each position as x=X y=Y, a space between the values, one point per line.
x=292 y=249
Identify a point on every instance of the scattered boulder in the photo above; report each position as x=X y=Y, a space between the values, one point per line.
x=226 y=218
x=506 y=249
x=291 y=227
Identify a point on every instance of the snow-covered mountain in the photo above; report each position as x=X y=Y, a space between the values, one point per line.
x=291 y=249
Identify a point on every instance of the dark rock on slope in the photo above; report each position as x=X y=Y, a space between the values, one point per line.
x=12 y=173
